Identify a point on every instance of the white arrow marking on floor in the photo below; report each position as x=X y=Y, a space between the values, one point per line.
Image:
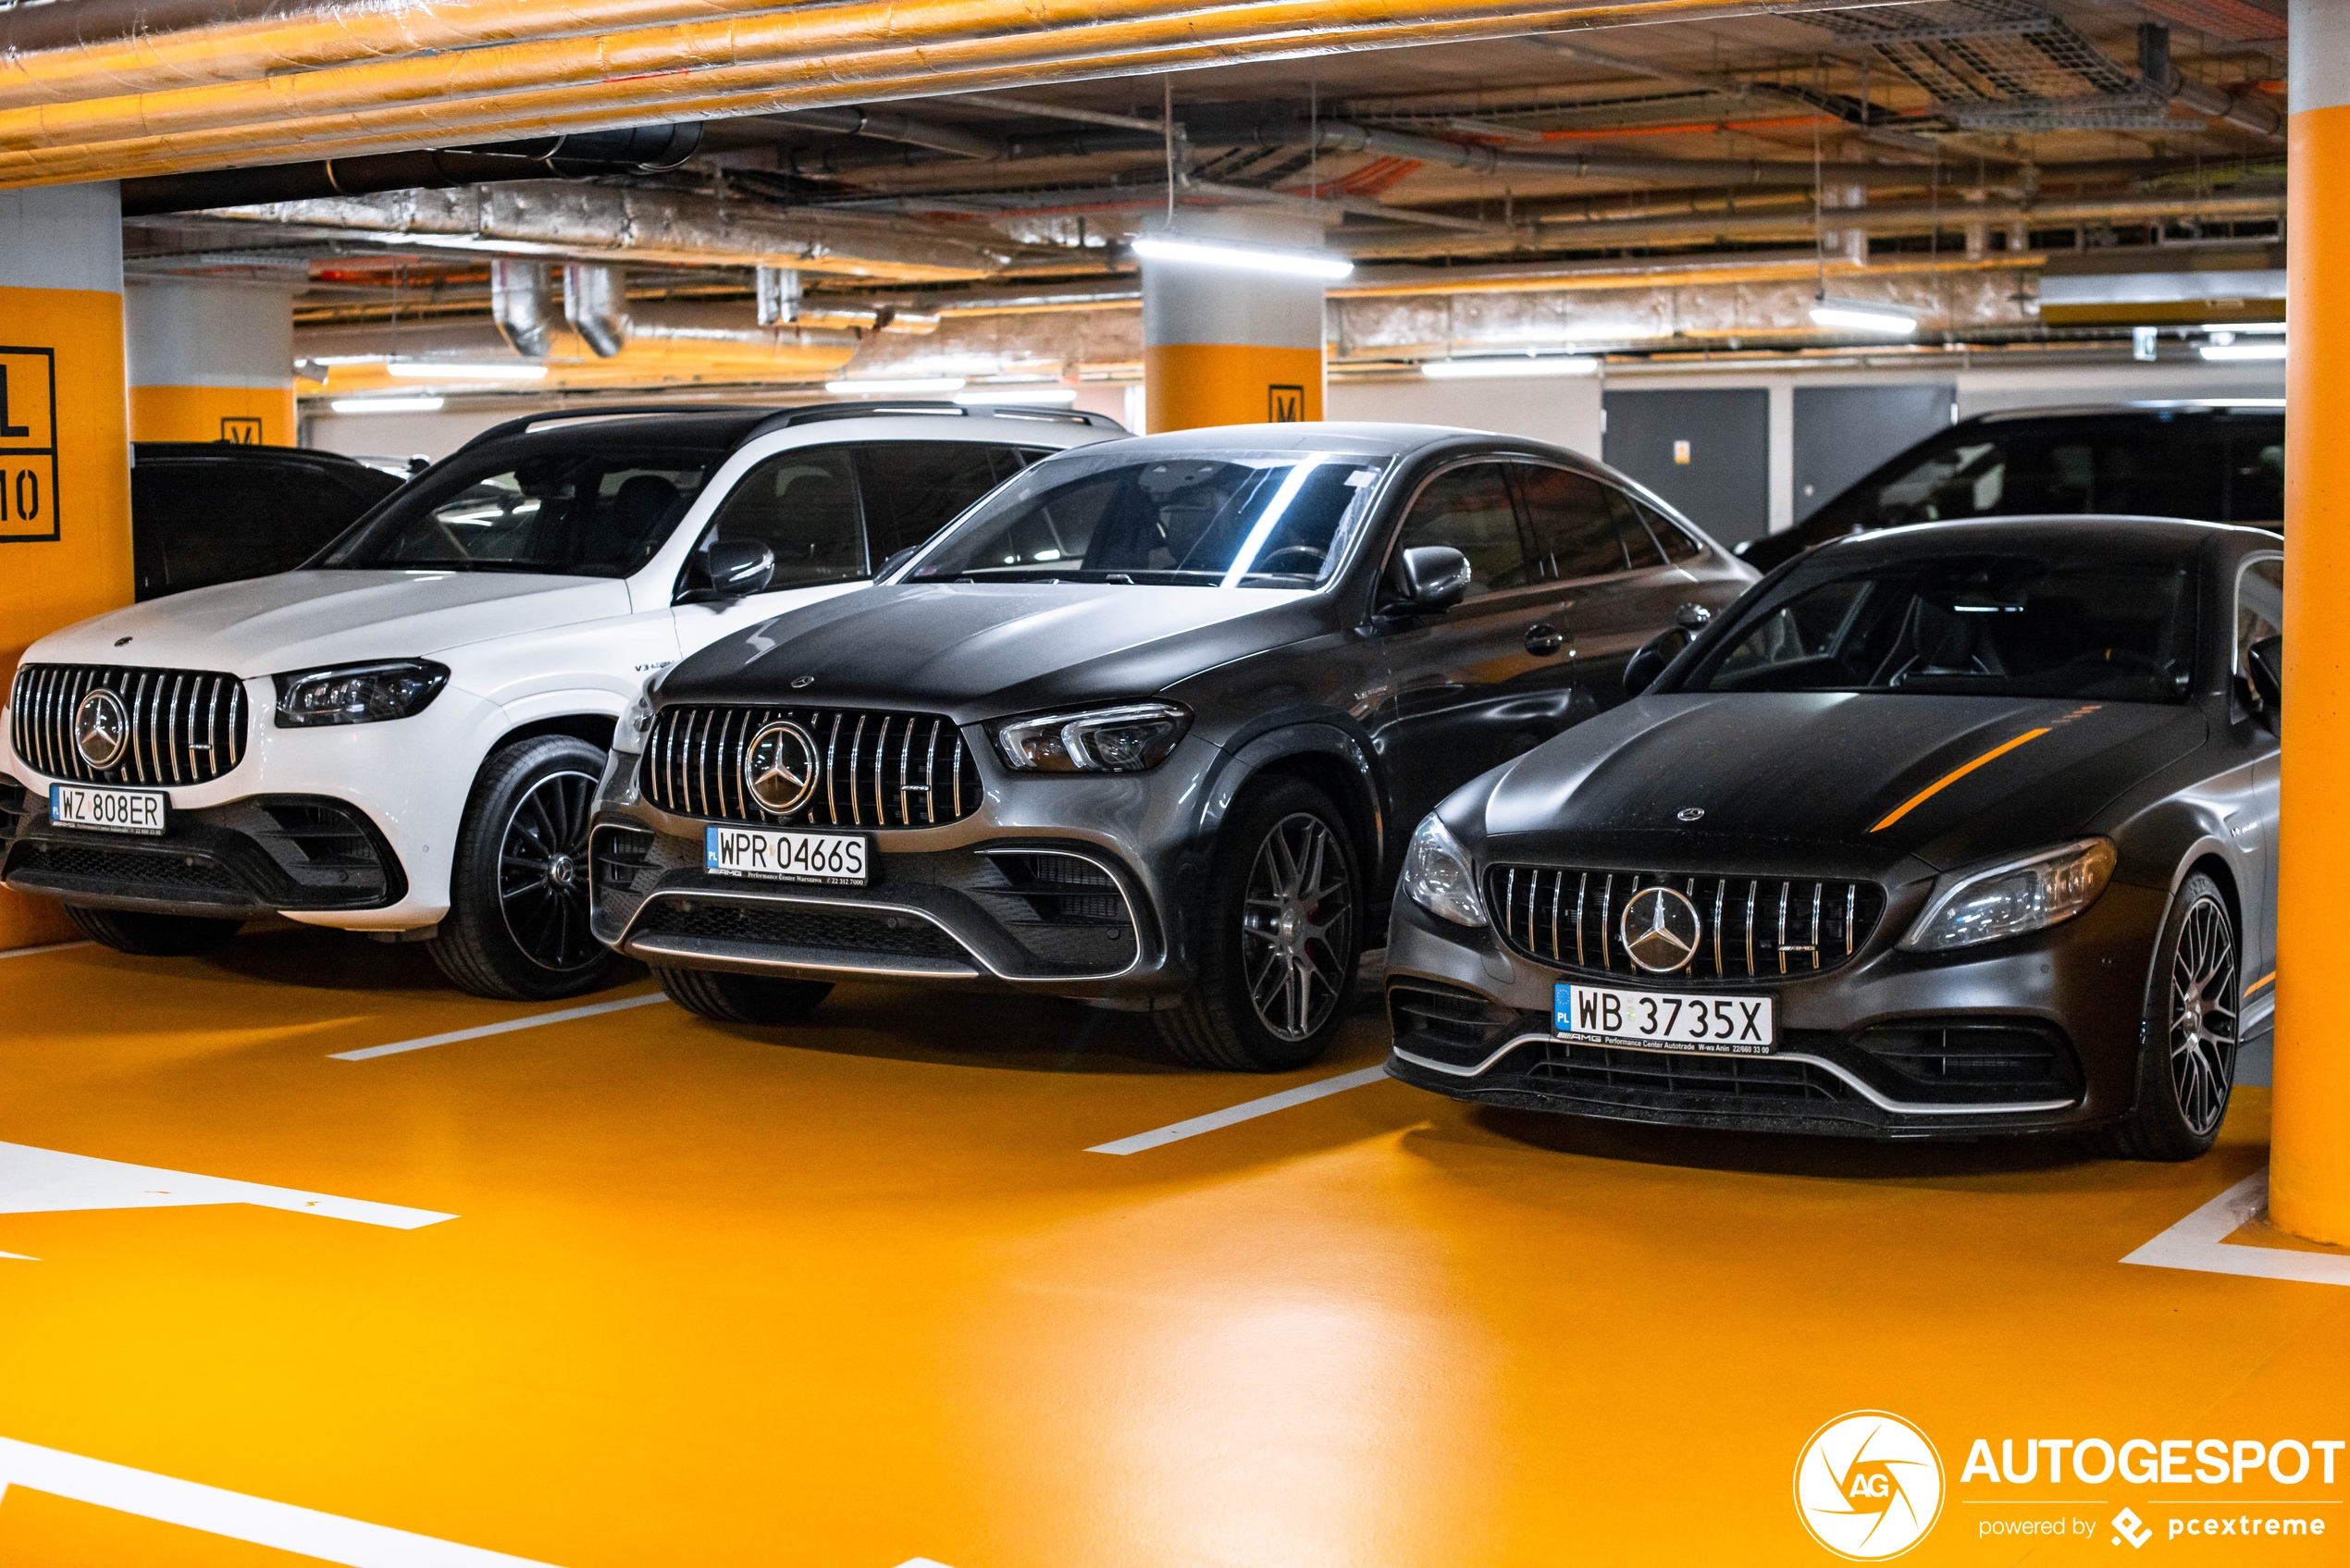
x=326 y=1537
x=45 y=1181
x=1249 y=1111
x=2200 y=1241
x=483 y=1031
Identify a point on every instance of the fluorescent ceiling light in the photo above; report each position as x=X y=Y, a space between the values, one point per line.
x=1863 y=315
x=1017 y=397
x=1247 y=258
x=432 y=370
x=1528 y=364
x=2243 y=351
x=879 y=387
x=2247 y=327
x=386 y=405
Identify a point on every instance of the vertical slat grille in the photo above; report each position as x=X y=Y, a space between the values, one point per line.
x=1748 y=928
x=186 y=726
x=880 y=770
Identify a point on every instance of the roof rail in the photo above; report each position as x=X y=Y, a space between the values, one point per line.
x=553 y=416
x=783 y=419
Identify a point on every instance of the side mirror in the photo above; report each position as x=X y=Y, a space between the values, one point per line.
x=1643 y=669
x=1691 y=618
x=2265 y=659
x=730 y=569
x=894 y=559
x=1432 y=577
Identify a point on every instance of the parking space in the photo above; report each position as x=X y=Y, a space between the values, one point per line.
x=858 y=1293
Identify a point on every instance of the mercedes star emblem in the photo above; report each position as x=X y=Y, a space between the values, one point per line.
x=101 y=729
x=779 y=767
x=801 y=682
x=1661 y=930
x=1690 y=813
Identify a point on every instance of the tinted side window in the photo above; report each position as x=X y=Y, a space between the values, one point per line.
x=1469 y=509
x=914 y=488
x=2260 y=608
x=2255 y=477
x=802 y=505
x=1572 y=525
x=1678 y=543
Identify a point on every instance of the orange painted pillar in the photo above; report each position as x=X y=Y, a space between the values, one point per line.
x=2309 y=1158
x=1223 y=346
x=211 y=361
x=65 y=465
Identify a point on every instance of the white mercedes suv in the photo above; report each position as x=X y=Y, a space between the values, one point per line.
x=404 y=736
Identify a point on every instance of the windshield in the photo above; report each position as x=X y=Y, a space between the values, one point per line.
x=1974 y=625
x=1262 y=521
x=581 y=505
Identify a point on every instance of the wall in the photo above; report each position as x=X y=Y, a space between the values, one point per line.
x=1563 y=410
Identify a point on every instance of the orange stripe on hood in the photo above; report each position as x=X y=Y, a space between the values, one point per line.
x=1953 y=776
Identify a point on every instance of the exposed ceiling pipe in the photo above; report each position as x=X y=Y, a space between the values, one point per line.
x=601 y=223
x=1043 y=110
x=951 y=139
x=596 y=304
x=643 y=150
x=2163 y=77
x=510 y=78
x=518 y=306
x=835 y=160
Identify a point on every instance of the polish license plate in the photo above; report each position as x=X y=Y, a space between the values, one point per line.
x=109 y=810
x=1600 y=1015
x=786 y=855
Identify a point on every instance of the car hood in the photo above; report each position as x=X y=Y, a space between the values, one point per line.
x=1853 y=779
x=982 y=649
x=295 y=620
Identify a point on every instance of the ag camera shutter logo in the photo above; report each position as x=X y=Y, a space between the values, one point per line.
x=1869 y=1486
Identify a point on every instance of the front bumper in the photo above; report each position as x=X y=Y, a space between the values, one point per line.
x=1061 y=884
x=248 y=858
x=2039 y=1033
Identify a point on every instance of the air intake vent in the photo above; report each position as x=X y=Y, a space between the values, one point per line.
x=184 y=726
x=1746 y=928
x=875 y=769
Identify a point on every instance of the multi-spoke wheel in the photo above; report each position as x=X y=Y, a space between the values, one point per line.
x=1277 y=938
x=1297 y=926
x=517 y=923
x=2187 y=1068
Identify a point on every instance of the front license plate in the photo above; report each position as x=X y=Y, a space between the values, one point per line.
x=786 y=855
x=1600 y=1015
x=110 y=810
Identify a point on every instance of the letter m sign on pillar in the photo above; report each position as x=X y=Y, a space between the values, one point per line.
x=27 y=444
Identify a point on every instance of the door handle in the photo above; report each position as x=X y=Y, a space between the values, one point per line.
x=1543 y=639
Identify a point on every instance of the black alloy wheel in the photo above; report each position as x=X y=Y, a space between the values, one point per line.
x=1279 y=938
x=2186 y=1070
x=517 y=922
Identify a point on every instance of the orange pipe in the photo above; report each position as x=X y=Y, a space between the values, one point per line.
x=838 y=53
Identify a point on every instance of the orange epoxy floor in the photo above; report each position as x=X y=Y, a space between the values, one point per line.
x=857 y=1295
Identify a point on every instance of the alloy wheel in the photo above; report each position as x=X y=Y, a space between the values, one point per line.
x=2203 y=1015
x=542 y=872
x=1297 y=924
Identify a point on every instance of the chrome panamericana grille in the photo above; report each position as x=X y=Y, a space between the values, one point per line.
x=1750 y=928
x=880 y=770
x=187 y=726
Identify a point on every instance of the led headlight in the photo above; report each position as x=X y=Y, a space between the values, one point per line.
x=358 y=694
x=1436 y=874
x=2023 y=896
x=1133 y=738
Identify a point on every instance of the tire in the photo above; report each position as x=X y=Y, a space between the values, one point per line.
x=152 y=936
x=742 y=999
x=517 y=922
x=2187 y=1069
x=1281 y=934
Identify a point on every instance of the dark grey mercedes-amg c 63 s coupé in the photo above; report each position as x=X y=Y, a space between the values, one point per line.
x=1938 y=832
x=1147 y=727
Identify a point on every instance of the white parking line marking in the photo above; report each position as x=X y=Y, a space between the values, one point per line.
x=326 y=1537
x=29 y=951
x=1249 y=1111
x=47 y=1181
x=484 y=1030
x=2200 y=1243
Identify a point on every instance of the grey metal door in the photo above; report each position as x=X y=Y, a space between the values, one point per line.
x=1707 y=452
x=1843 y=432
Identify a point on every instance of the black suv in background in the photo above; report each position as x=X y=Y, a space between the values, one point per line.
x=2208 y=462
x=218 y=512
x=1150 y=725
